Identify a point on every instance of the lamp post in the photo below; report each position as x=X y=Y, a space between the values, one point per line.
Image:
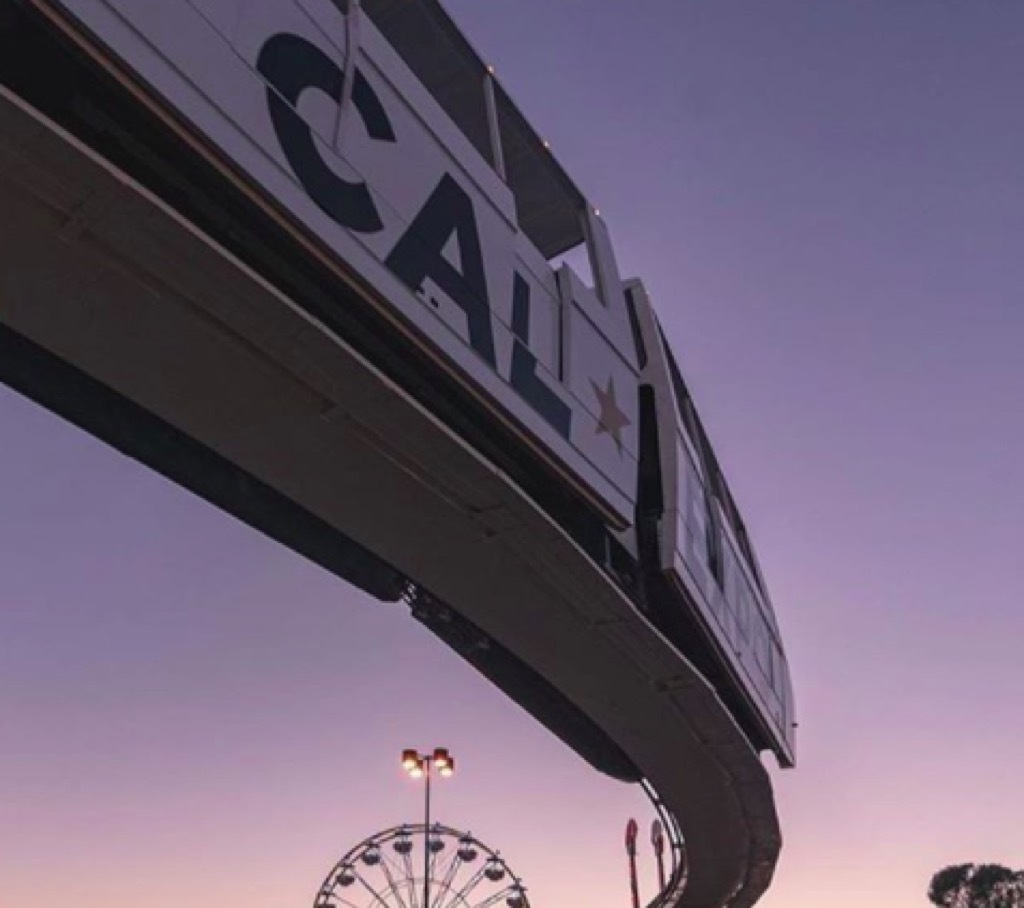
x=421 y=766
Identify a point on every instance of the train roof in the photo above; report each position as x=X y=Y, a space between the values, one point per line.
x=548 y=202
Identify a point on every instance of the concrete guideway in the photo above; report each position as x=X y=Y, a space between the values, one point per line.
x=110 y=280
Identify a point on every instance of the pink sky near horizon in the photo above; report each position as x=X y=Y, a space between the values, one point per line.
x=826 y=202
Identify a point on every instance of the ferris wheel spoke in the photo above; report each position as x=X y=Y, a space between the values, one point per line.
x=434 y=860
x=410 y=879
x=445 y=885
x=394 y=885
x=449 y=899
x=442 y=873
x=467 y=888
x=377 y=897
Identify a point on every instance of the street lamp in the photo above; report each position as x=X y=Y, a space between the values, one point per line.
x=421 y=766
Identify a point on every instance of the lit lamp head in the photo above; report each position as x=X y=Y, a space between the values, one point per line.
x=417 y=764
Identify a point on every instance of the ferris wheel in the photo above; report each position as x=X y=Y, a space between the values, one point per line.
x=388 y=870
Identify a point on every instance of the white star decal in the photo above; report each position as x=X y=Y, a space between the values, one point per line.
x=612 y=420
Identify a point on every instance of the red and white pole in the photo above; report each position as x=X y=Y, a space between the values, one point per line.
x=658 y=841
x=631 y=834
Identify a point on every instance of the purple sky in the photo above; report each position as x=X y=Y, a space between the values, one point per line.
x=826 y=201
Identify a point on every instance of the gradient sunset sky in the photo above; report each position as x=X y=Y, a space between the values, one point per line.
x=826 y=201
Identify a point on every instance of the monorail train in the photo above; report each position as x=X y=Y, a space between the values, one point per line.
x=361 y=169
x=706 y=590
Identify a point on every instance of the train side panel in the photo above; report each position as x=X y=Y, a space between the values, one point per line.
x=391 y=188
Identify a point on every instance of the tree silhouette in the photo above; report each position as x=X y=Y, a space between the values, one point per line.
x=977 y=886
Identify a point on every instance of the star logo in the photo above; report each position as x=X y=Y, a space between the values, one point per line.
x=612 y=420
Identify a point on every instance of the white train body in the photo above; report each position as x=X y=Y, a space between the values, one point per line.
x=391 y=187
x=376 y=140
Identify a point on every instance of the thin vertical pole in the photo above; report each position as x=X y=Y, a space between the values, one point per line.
x=493 y=126
x=631 y=833
x=658 y=841
x=352 y=42
x=426 y=835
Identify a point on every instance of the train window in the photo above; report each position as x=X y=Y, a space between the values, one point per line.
x=695 y=434
x=723 y=614
x=778 y=669
x=730 y=576
x=763 y=648
x=687 y=474
x=692 y=427
x=701 y=521
x=689 y=422
x=691 y=454
x=700 y=447
x=714 y=543
x=747 y=552
x=743 y=604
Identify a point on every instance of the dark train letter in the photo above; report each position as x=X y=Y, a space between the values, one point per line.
x=291 y=65
x=418 y=255
x=524 y=365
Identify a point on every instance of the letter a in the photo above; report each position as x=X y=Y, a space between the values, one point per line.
x=419 y=254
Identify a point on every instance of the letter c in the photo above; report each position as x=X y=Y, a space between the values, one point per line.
x=291 y=65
